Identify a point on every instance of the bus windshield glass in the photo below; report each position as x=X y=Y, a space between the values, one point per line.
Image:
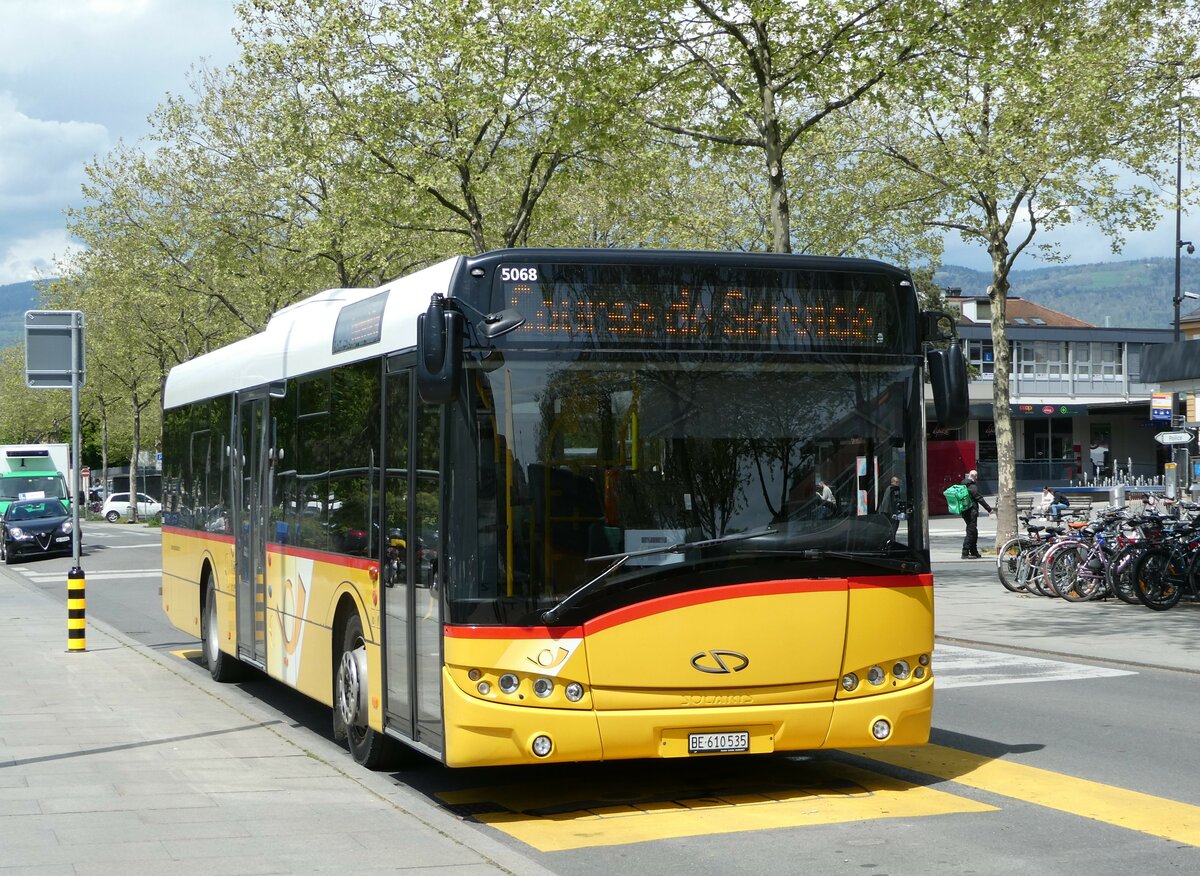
x=761 y=461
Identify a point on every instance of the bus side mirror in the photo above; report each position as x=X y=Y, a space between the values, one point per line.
x=439 y=352
x=948 y=376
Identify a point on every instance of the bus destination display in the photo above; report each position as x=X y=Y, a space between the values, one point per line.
x=359 y=324
x=600 y=305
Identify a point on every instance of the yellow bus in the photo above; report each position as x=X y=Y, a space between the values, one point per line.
x=565 y=505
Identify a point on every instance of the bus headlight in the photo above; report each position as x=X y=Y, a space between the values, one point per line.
x=542 y=745
x=543 y=687
x=875 y=675
x=509 y=683
x=849 y=681
x=900 y=670
x=574 y=692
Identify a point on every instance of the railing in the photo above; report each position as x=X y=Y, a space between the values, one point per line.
x=1033 y=474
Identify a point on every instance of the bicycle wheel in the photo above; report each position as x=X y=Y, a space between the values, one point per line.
x=1154 y=577
x=1006 y=564
x=1062 y=572
x=1036 y=581
x=1120 y=573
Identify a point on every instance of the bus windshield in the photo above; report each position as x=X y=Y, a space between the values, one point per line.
x=580 y=462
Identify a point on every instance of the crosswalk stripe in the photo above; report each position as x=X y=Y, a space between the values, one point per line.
x=44 y=577
x=972 y=667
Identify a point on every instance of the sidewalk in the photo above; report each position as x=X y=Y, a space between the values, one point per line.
x=116 y=761
x=972 y=607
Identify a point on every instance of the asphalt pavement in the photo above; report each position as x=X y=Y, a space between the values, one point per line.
x=121 y=759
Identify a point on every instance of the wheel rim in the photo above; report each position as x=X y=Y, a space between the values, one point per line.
x=212 y=648
x=352 y=687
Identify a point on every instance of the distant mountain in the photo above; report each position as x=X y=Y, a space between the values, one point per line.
x=15 y=299
x=1129 y=294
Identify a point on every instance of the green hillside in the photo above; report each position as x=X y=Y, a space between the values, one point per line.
x=15 y=299
x=1134 y=294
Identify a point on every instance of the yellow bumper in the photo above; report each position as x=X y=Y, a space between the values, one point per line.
x=483 y=733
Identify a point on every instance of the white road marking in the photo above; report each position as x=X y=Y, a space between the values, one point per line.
x=40 y=577
x=970 y=667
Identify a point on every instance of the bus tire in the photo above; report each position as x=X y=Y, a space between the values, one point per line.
x=221 y=666
x=350 y=685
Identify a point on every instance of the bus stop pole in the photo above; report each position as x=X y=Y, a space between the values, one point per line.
x=76 y=585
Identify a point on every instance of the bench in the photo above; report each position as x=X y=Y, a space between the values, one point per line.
x=1081 y=505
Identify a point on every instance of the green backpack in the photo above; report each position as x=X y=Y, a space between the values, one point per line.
x=958 y=499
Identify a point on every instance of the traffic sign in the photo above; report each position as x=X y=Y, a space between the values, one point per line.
x=54 y=355
x=1173 y=437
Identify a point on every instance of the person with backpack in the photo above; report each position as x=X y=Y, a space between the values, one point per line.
x=1059 y=505
x=970 y=515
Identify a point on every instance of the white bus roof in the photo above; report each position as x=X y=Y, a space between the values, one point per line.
x=299 y=338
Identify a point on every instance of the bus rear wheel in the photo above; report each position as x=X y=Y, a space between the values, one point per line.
x=350 y=685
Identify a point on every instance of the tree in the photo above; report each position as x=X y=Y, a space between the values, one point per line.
x=762 y=79
x=1037 y=116
x=460 y=116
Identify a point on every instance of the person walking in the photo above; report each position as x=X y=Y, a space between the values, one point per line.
x=970 y=516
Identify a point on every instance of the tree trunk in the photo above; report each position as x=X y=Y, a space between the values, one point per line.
x=1006 y=468
x=781 y=222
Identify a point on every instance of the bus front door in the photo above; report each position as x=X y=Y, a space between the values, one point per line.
x=412 y=612
x=250 y=482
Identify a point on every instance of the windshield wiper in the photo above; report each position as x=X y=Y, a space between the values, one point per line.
x=552 y=614
x=822 y=554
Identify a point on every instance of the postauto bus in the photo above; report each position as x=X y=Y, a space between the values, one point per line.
x=554 y=505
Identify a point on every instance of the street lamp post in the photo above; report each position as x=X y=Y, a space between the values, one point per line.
x=1179 y=398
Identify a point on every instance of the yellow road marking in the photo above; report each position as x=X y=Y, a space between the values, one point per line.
x=187 y=653
x=1157 y=816
x=552 y=818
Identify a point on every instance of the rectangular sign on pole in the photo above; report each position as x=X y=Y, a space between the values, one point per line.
x=1162 y=406
x=48 y=354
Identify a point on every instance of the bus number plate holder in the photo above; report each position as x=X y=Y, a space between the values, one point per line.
x=713 y=743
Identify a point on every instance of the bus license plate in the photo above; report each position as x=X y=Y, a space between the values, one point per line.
x=703 y=743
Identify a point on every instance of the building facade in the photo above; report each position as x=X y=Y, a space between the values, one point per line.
x=1080 y=409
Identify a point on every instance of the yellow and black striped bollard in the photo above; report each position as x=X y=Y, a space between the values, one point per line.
x=76 y=611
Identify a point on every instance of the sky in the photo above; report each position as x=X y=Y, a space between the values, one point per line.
x=79 y=76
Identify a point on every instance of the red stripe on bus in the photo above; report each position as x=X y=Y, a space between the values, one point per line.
x=472 y=632
x=891 y=582
x=682 y=600
x=199 y=533
x=713 y=594
x=322 y=556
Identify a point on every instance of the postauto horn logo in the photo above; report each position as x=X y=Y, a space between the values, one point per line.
x=720 y=662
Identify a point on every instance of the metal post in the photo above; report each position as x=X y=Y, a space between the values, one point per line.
x=76 y=603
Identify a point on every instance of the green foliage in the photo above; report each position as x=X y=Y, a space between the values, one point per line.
x=357 y=140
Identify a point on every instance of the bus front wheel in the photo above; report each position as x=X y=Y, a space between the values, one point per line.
x=371 y=749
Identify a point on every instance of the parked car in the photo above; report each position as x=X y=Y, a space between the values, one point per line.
x=117 y=507
x=37 y=527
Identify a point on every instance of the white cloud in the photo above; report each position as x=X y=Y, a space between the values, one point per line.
x=76 y=76
x=41 y=161
x=33 y=258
